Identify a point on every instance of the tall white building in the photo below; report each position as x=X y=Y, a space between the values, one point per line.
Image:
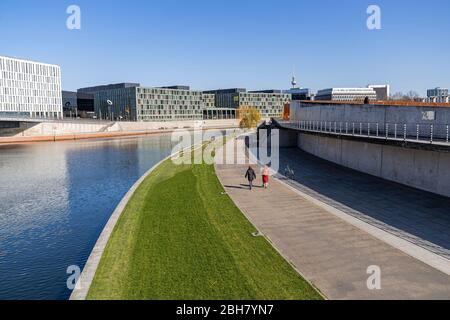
x=30 y=89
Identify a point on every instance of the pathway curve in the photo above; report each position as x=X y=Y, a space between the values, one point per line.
x=330 y=252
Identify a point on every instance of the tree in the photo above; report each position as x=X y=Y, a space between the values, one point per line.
x=250 y=117
x=410 y=96
x=397 y=96
x=413 y=96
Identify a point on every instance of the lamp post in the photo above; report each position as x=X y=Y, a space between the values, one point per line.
x=110 y=105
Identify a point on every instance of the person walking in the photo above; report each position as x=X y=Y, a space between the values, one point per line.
x=251 y=176
x=265 y=176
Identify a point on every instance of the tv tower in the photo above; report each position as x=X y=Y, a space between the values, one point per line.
x=293 y=82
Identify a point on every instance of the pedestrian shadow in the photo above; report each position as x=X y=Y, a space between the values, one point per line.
x=243 y=186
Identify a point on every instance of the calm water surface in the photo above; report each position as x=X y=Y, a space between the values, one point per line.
x=55 y=199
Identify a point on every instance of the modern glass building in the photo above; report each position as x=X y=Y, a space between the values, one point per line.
x=30 y=89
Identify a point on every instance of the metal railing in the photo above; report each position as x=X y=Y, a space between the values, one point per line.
x=422 y=133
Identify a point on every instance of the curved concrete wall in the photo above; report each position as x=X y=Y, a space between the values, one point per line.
x=422 y=169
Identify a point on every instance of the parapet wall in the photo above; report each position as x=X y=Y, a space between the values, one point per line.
x=422 y=169
x=78 y=127
x=65 y=130
x=369 y=113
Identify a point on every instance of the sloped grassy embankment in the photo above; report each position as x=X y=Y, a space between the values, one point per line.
x=180 y=237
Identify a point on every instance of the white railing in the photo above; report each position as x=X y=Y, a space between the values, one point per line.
x=424 y=133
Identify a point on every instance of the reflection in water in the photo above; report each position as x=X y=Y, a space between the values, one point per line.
x=55 y=199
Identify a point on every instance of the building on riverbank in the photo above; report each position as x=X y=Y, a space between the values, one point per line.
x=270 y=103
x=438 y=95
x=30 y=89
x=133 y=102
x=78 y=104
x=346 y=94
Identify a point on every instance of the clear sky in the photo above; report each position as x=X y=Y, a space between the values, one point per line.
x=211 y=44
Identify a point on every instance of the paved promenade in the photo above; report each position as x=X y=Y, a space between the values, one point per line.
x=419 y=217
x=330 y=252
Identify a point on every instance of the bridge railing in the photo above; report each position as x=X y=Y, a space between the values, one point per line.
x=423 y=133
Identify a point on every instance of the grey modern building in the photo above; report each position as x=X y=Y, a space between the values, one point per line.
x=78 y=104
x=298 y=94
x=438 y=95
x=270 y=103
x=132 y=102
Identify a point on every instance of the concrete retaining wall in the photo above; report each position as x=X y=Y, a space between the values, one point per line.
x=77 y=128
x=422 y=169
x=368 y=113
x=381 y=114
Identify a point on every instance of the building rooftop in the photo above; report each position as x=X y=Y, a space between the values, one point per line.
x=29 y=60
x=176 y=87
x=232 y=90
x=109 y=87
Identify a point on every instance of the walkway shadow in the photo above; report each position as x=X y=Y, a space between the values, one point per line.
x=414 y=215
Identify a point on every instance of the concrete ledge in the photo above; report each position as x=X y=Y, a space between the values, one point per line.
x=98 y=135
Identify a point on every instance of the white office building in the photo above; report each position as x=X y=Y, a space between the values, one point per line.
x=30 y=89
x=347 y=94
x=383 y=91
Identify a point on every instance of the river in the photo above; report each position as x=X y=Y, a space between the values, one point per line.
x=55 y=199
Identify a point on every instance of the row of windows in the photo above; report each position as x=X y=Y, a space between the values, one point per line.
x=28 y=107
x=170 y=118
x=167 y=112
x=168 y=97
x=28 y=78
x=29 y=85
x=169 y=103
x=30 y=100
x=28 y=67
x=8 y=92
x=168 y=92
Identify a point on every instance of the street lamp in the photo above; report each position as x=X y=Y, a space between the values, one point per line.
x=110 y=105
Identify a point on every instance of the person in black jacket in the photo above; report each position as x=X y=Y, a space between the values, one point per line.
x=251 y=176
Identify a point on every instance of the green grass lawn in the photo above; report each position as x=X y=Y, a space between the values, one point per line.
x=181 y=238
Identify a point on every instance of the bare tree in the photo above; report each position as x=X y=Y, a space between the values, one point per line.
x=397 y=96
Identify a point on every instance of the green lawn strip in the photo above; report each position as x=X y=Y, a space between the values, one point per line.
x=181 y=238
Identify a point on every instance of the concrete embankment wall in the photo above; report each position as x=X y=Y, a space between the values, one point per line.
x=381 y=114
x=301 y=111
x=54 y=131
x=422 y=169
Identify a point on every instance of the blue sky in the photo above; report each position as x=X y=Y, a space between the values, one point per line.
x=234 y=43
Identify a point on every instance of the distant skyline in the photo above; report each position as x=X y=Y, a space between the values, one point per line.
x=234 y=43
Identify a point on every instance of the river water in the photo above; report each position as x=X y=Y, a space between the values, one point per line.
x=55 y=199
